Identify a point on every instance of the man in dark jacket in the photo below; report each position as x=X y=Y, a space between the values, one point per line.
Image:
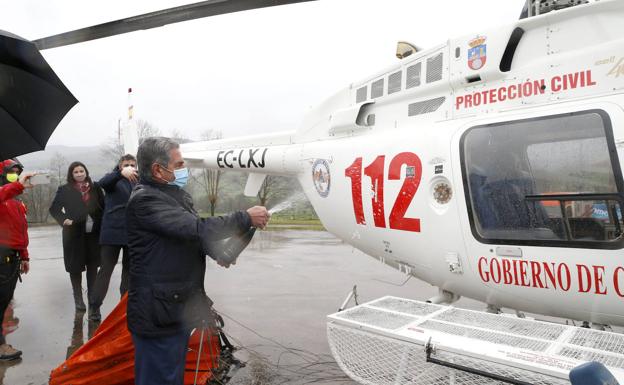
x=13 y=240
x=113 y=238
x=167 y=242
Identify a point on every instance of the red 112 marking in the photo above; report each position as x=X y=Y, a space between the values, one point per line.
x=375 y=171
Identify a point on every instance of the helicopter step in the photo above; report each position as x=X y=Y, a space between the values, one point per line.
x=400 y=341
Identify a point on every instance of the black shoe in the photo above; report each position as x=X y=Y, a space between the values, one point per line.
x=94 y=314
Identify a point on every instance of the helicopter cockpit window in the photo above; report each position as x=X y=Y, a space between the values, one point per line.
x=551 y=180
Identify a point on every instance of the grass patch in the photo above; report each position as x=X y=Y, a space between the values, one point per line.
x=287 y=221
x=277 y=220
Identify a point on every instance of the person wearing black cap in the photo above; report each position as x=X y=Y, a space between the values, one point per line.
x=13 y=240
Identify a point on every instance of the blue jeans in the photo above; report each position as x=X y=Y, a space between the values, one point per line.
x=160 y=360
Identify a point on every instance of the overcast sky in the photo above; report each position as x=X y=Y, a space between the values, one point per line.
x=243 y=73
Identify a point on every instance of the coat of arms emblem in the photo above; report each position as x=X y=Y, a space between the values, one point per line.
x=477 y=52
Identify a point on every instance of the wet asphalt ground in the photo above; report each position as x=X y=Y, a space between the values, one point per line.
x=274 y=302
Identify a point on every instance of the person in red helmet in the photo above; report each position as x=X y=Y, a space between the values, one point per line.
x=13 y=240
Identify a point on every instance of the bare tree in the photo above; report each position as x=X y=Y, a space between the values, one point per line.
x=146 y=129
x=113 y=148
x=209 y=179
x=58 y=166
x=39 y=198
x=266 y=190
x=178 y=137
x=275 y=189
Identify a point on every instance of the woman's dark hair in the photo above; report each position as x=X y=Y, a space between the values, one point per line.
x=70 y=170
x=126 y=157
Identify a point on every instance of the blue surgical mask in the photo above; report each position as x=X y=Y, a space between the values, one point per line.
x=181 y=177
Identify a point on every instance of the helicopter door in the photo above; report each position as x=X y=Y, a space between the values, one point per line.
x=543 y=212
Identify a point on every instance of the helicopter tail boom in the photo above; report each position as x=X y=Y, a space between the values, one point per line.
x=272 y=154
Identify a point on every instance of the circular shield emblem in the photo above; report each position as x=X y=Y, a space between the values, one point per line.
x=321 y=177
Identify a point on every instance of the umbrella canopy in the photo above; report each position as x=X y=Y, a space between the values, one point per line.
x=33 y=100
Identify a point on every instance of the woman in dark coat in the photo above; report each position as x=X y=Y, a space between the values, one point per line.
x=78 y=207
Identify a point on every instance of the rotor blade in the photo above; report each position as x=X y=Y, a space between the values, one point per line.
x=156 y=19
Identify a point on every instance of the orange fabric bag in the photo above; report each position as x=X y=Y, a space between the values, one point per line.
x=108 y=357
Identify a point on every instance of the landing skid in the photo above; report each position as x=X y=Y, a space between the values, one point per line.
x=389 y=341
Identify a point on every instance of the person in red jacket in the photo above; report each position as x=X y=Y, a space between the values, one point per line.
x=13 y=240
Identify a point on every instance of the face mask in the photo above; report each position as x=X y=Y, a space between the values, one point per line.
x=12 y=177
x=181 y=177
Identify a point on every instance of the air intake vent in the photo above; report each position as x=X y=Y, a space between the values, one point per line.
x=394 y=82
x=539 y=7
x=377 y=89
x=434 y=68
x=425 y=107
x=361 y=95
x=412 y=76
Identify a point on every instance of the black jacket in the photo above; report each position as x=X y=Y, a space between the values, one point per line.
x=167 y=242
x=118 y=191
x=68 y=204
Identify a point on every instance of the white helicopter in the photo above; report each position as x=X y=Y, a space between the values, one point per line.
x=495 y=168
x=489 y=166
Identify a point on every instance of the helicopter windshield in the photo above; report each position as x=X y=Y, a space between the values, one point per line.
x=550 y=179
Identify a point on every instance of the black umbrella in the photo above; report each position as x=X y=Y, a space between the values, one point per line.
x=33 y=100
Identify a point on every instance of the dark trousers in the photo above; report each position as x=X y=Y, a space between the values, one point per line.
x=76 y=280
x=160 y=360
x=110 y=256
x=8 y=280
x=91 y=262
